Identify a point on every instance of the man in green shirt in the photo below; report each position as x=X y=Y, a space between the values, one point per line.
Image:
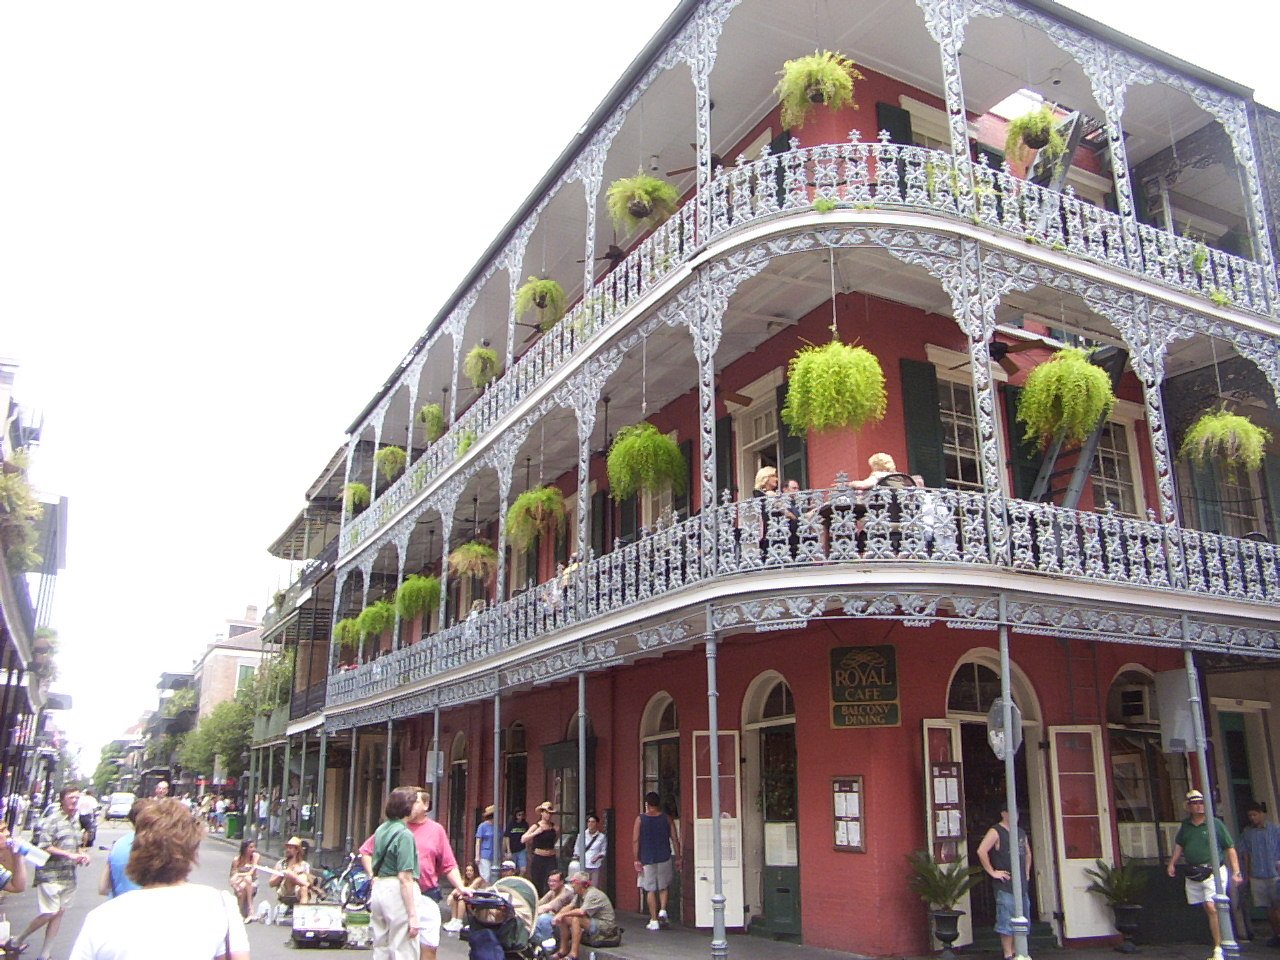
x=1192 y=842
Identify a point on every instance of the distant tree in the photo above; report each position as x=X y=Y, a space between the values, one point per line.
x=224 y=733
x=106 y=772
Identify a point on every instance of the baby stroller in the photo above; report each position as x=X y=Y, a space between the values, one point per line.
x=501 y=922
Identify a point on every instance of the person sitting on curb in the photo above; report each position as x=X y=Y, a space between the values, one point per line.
x=589 y=920
x=293 y=877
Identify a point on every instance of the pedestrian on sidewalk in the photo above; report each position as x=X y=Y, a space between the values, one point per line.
x=654 y=844
x=13 y=866
x=394 y=905
x=1260 y=847
x=59 y=833
x=168 y=914
x=115 y=879
x=485 y=845
x=1192 y=842
x=995 y=854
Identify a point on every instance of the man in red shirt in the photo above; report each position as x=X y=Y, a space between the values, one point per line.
x=435 y=859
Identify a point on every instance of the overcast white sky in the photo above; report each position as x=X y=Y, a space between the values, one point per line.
x=222 y=224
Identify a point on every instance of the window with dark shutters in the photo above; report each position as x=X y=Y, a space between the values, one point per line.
x=922 y=419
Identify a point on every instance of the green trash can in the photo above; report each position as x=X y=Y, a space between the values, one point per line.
x=235 y=825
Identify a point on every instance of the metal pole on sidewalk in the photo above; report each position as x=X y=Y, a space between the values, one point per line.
x=719 y=939
x=317 y=812
x=387 y=785
x=351 y=790
x=285 y=783
x=499 y=830
x=1221 y=897
x=271 y=788
x=1019 y=923
x=435 y=765
x=582 y=766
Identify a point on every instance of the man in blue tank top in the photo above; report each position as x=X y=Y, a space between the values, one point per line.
x=654 y=844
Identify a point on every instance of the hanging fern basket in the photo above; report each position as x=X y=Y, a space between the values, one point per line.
x=835 y=385
x=431 y=416
x=534 y=512
x=346 y=632
x=418 y=595
x=546 y=297
x=377 y=618
x=390 y=462
x=355 y=496
x=1067 y=397
x=644 y=457
x=1037 y=130
x=480 y=366
x=474 y=559
x=823 y=79
x=1233 y=440
x=640 y=201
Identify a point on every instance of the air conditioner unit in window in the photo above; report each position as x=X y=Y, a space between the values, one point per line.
x=1136 y=705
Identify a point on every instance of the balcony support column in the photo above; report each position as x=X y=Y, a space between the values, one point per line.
x=433 y=775
x=379 y=416
x=711 y=18
x=719 y=938
x=446 y=506
x=502 y=458
x=285 y=783
x=317 y=811
x=498 y=822
x=582 y=758
x=366 y=571
x=415 y=377
x=948 y=34
x=402 y=550
x=1221 y=899
x=251 y=794
x=1020 y=924
x=705 y=326
x=351 y=788
x=271 y=787
x=583 y=397
x=302 y=779
x=339 y=582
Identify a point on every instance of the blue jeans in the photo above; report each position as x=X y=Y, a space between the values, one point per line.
x=542 y=928
x=1004 y=910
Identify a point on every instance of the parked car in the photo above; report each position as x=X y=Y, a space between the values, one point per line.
x=118 y=806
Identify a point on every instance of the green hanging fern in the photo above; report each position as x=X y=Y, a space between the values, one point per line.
x=390 y=462
x=1234 y=440
x=835 y=385
x=1037 y=130
x=474 y=559
x=377 y=618
x=641 y=200
x=417 y=595
x=545 y=296
x=481 y=366
x=465 y=441
x=808 y=82
x=535 y=511
x=356 y=496
x=431 y=417
x=1065 y=396
x=643 y=456
x=346 y=632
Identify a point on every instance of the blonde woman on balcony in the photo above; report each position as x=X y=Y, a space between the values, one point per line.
x=881 y=465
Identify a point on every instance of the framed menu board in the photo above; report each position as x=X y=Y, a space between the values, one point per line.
x=946 y=809
x=850 y=814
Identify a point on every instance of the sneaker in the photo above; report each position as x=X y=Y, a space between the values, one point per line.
x=1217 y=954
x=663 y=922
x=652 y=925
x=454 y=925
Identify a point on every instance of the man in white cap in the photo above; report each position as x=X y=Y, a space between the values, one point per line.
x=1192 y=842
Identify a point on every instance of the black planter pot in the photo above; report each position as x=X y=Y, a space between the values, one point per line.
x=639 y=208
x=1036 y=141
x=946 y=927
x=1128 y=917
x=816 y=94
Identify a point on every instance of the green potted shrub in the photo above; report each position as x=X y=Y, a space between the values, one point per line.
x=377 y=618
x=417 y=596
x=465 y=441
x=474 y=559
x=1037 y=130
x=640 y=201
x=355 y=495
x=942 y=886
x=346 y=632
x=545 y=296
x=534 y=511
x=835 y=385
x=1229 y=438
x=1065 y=397
x=431 y=416
x=481 y=366
x=643 y=456
x=824 y=78
x=390 y=462
x=1121 y=887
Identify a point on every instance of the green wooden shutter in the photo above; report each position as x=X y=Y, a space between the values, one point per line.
x=1204 y=489
x=682 y=503
x=724 y=454
x=922 y=418
x=793 y=462
x=628 y=519
x=599 y=511
x=1271 y=478
x=781 y=144
x=1025 y=457
x=895 y=120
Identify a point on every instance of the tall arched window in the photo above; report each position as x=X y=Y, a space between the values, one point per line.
x=660 y=752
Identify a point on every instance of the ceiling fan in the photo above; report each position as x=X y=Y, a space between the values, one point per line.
x=728 y=396
x=614 y=254
x=1000 y=353
x=717 y=163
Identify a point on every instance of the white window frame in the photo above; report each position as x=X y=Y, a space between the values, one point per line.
x=654 y=506
x=1125 y=414
x=764 y=397
x=931 y=122
x=952 y=366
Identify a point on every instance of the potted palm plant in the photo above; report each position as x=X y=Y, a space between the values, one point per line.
x=942 y=886
x=643 y=456
x=1037 y=130
x=480 y=366
x=431 y=416
x=474 y=559
x=1066 y=397
x=535 y=511
x=417 y=596
x=390 y=462
x=1121 y=886
x=640 y=201
x=545 y=296
x=835 y=385
x=355 y=495
x=1228 y=438
x=822 y=79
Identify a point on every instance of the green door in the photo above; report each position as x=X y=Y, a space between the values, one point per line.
x=781 y=873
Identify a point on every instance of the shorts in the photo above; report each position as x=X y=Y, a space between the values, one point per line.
x=1201 y=891
x=486 y=869
x=1263 y=891
x=1004 y=911
x=428 y=922
x=656 y=876
x=55 y=896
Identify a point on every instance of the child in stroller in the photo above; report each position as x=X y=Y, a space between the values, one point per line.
x=501 y=922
